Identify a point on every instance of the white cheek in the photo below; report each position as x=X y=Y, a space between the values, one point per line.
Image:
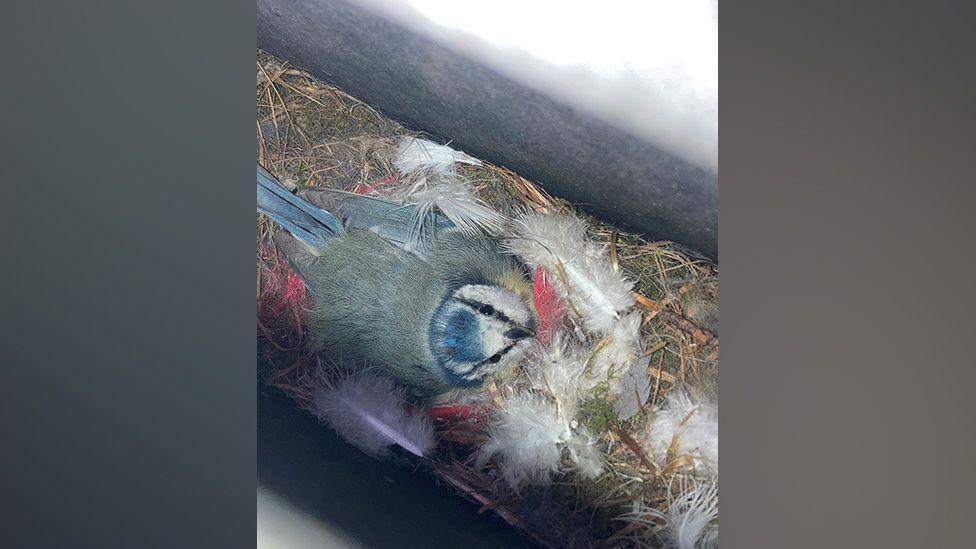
x=492 y=338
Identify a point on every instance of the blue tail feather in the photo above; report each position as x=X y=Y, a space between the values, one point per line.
x=299 y=217
x=393 y=221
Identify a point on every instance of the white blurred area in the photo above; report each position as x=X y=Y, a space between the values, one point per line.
x=281 y=525
x=648 y=67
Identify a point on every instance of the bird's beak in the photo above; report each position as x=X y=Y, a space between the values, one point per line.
x=519 y=332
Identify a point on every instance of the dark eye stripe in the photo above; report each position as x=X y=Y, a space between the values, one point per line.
x=500 y=354
x=478 y=306
x=468 y=372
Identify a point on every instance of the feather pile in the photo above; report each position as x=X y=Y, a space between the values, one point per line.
x=685 y=426
x=526 y=434
x=583 y=276
x=369 y=413
x=692 y=518
x=436 y=183
x=531 y=430
x=618 y=361
x=559 y=371
x=620 y=349
x=454 y=199
x=565 y=372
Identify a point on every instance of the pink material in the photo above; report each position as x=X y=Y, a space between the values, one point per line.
x=448 y=412
x=282 y=290
x=366 y=189
x=547 y=304
x=295 y=293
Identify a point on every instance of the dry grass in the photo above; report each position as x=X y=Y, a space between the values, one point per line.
x=312 y=134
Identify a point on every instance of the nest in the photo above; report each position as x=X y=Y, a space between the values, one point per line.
x=312 y=134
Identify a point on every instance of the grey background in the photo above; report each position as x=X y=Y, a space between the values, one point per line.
x=128 y=402
x=846 y=267
x=128 y=275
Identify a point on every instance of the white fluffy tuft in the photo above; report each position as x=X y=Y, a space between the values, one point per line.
x=584 y=453
x=581 y=271
x=621 y=349
x=369 y=413
x=690 y=514
x=558 y=370
x=437 y=184
x=414 y=155
x=531 y=430
x=526 y=435
x=690 y=425
x=454 y=199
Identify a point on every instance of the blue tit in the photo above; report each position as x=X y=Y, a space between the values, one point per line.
x=438 y=315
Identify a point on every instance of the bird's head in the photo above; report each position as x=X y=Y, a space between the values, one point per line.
x=478 y=330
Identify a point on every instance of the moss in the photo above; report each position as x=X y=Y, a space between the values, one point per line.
x=320 y=123
x=596 y=413
x=494 y=191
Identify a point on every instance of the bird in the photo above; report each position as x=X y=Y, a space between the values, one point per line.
x=438 y=309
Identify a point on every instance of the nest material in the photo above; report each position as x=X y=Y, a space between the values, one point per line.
x=311 y=134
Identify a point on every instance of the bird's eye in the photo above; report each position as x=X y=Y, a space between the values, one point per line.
x=487 y=310
x=494 y=358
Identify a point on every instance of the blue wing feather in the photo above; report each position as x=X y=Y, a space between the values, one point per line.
x=314 y=216
x=298 y=216
x=394 y=222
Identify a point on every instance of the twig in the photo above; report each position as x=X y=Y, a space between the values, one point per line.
x=661 y=374
x=700 y=334
x=486 y=503
x=267 y=335
x=636 y=448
